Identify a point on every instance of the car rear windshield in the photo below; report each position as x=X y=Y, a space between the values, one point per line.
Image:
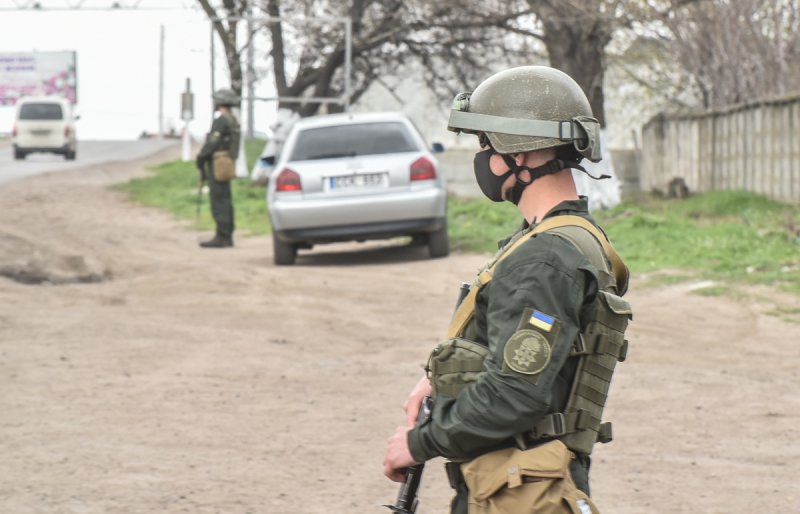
x=352 y=140
x=41 y=111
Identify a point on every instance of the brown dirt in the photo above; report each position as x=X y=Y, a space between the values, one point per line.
x=141 y=374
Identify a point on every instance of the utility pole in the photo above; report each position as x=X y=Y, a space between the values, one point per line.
x=161 y=84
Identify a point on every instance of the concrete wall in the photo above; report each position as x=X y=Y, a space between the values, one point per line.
x=753 y=147
x=626 y=164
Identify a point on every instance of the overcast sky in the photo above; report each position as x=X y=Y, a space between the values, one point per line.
x=118 y=62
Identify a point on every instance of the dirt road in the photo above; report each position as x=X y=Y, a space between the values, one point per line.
x=140 y=374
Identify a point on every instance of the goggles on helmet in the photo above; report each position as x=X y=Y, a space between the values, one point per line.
x=580 y=130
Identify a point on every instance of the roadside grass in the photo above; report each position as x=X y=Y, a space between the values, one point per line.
x=476 y=224
x=173 y=187
x=725 y=236
x=789 y=314
x=728 y=237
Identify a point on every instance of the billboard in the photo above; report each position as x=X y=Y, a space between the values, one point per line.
x=38 y=73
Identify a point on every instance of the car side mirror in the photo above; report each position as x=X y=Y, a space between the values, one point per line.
x=437 y=148
x=76 y=117
x=269 y=160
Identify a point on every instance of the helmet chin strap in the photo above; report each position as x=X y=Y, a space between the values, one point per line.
x=552 y=166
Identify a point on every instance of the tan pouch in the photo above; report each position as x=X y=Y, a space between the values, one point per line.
x=224 y=169
x=515 y=481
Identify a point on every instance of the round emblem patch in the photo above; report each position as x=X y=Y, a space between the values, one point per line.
x=527 y=352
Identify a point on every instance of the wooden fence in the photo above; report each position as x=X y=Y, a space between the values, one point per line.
x=754 y=147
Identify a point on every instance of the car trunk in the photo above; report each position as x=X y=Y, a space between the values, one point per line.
x=351 y=176
x=40 y=133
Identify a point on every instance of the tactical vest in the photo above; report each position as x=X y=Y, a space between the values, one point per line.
x=230 y=141
x=459 y=361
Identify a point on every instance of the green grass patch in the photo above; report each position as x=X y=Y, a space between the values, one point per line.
x=477 y=224
x=788 y=314
x=730 y=237
x=722 y=236
x=252 y=151
x=173 y=187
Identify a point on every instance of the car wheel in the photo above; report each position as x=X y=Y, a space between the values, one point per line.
x=18 y=154
x=283 y=253
x=70 y=155
x=439 y=242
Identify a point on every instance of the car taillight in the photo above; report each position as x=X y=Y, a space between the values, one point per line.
x=66 y=130
x=14 y=131
x=422 y=169
x=288 y=180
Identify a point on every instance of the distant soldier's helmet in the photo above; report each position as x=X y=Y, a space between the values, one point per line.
x=225 y=97
x=530 y=108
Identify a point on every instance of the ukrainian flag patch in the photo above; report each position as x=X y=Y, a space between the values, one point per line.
x=542 y=321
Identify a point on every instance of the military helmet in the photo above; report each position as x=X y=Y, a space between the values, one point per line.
x=225 y=97
x=529 y=108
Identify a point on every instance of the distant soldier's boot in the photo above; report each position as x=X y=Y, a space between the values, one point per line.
x=217 y=242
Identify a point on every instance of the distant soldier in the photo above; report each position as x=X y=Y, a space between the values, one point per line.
x=519 y=386
x=216 y=162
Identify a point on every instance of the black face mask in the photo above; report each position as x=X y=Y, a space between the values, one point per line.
x=491 y=185
x=514 y=195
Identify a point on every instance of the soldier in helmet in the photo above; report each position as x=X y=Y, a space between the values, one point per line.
x=519 y=385
x=216 y=162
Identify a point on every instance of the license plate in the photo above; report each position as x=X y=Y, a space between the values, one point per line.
x=40 y=132
x=364 y=180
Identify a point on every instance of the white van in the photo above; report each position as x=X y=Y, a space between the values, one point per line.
x=44 y=124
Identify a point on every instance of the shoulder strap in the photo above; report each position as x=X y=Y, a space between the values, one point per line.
x=614 y=273
x=466 y=309
x=591 y=249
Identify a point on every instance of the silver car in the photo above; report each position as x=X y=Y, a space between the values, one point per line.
x=346 y=177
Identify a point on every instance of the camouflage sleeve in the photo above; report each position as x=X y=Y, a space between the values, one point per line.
x=215 y=138
x=533 y=309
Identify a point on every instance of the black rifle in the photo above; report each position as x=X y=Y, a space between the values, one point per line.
x=200 y=182
x=407 y=497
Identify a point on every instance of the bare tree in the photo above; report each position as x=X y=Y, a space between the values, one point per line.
x=452 y=42
x=455 y=43
x=449 y=44
x=718 y=53
x=738 y=51
x=576 y=34
x=226 y=22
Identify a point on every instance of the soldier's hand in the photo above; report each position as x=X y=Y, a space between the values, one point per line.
x=398 y=457
x=414 y=400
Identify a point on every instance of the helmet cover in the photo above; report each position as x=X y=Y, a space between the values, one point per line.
x=529 y=108
x=225 y=97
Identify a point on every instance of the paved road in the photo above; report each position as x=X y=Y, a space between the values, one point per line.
x=89 y=153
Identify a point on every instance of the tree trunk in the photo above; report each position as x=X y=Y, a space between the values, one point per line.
x=226 y=30
x=576 y=41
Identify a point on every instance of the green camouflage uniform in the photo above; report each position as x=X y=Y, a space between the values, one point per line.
x=224 y=135
x=548 y=274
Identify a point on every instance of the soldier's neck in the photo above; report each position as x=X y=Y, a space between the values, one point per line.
x=545 y=193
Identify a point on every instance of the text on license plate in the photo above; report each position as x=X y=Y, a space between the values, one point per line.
x=357 y=181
